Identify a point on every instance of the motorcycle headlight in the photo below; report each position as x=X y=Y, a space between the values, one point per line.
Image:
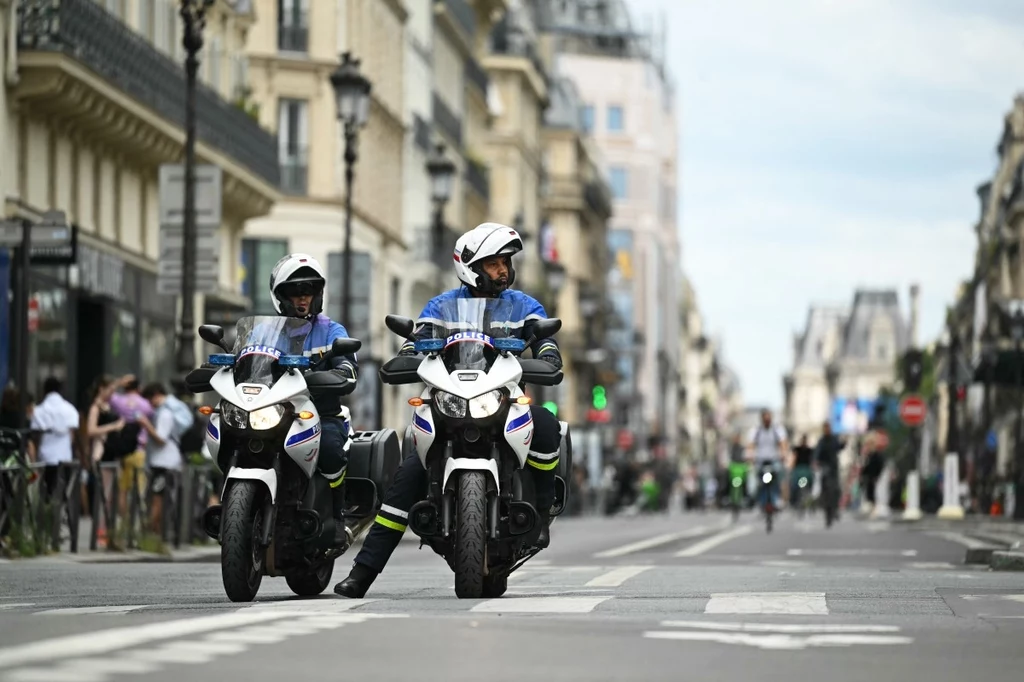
x=450 y=405
x=767 y=477
x=485 y=405
x=234 y=416
x=266 y=418
x=737 y=481
x=802 y=482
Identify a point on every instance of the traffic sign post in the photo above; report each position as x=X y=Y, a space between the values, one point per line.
x=51 y=230
x=208 y=193
x=913 y=410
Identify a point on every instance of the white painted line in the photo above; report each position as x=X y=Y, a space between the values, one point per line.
x=789 y=628
x=656 y=541
x=714 y=541
x=90 y=610
x=114 y=639
x=308 y=606
x=851 y=552
x=959 y=538
x=931 y=565
x=192 y=651
x=4 y=607
x=779 y=642
x=84 y=670
x=782 y=563
x=616 y=577
x=540 y=605
x=769 y=603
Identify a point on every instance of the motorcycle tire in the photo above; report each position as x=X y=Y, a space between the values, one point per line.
x=311 y=583
x=241 y=563
x=470 y=540
x=495 y=586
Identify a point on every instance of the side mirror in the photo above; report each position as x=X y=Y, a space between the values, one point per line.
x=402 y=326
x=345 y=347
x=214 y=335
x=543 y=329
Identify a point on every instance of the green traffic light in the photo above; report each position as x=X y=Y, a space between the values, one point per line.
x=600 y=398
x=551 y=406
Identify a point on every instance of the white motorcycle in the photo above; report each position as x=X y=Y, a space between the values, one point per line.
x=276 y=515
x=472 y=429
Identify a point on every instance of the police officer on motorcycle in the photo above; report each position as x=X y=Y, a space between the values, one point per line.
x=483 y=263
x=297 y=285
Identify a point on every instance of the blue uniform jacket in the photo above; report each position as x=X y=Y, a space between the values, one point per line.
x=526 y=311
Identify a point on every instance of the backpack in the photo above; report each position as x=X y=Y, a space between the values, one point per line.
x=192 y=440
x=120 y=444
x=183 y=417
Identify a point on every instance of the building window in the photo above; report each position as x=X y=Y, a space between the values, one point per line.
x=587 y=117
x=293 y=25
x=259 y=256
x=619 y=180
x=615 y=124
x=293 y=141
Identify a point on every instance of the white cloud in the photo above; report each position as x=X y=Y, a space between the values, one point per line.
x=827 y=145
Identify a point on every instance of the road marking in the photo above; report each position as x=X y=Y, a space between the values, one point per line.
x=775 y=603
x=851 y=552
x=993 y=597
x=959 y=538
x=714 y=541
x=782 y=563
x=302 y=607
x=789 y=628
x=931 y=565
x=540 y=605
x=616 y=577
x=4 y=607
x=657 y=541
x=84 y=670
x=114 y=639
x=779 y=641
x=91 y=610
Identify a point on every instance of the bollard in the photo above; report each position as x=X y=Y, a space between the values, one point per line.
x=881 y=510
x=951 y=508
x=912 y=512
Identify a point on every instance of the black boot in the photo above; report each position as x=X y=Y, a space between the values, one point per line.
x=357 y=583
x=544 y=538
x=342 y=535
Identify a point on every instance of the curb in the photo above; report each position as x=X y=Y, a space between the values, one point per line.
x=1007 y=561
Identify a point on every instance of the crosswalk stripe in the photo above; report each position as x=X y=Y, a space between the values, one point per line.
x=714 y=541
x=540 y=605
x=656 y=541
x=789 y=628
x=616 y=577
x=768 y=603
x=90 y=610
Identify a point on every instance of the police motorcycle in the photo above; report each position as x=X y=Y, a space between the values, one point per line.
x=276 y=516
x=472 y=429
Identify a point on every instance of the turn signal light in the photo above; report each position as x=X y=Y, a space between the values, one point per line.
x=305 y=414
x=206 y=410
x=524 y=400
x=415 y=402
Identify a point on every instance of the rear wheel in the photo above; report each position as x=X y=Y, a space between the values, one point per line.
x=311 y=583
x=241 y=559
x=470 y=544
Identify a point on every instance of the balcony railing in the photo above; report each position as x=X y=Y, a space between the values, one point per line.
x=446 y=119
x=293 y=38
x=463 y=14
x=476 y=75
x=87 y=33
x=508 y=40
x=421 y=133
x=598 y=198
x=478 y=177
x=295 y=173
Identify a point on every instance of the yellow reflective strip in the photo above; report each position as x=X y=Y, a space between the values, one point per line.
x=338 y=481
x=543 y=466
x=388 y=523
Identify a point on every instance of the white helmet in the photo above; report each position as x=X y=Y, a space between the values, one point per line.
x=298 y=274
x=482 y=242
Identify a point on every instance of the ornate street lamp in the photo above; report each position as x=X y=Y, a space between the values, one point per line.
x=442 y=174
x=352 y=92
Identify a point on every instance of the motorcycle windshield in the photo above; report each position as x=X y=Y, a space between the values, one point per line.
x=260 y=341
x=469 y=327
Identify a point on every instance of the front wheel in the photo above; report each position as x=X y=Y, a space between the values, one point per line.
x=495 y=586
x=312 y=582
x=470 y=543
x=241 y=559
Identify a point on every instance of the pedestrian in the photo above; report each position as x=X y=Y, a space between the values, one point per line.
x=100 y=422
x=163 y=454
x=56 y=421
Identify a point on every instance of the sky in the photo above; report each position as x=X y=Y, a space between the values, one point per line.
x=828 y=145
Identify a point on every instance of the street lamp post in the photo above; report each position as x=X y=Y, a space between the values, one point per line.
x=442 y=171
x=953 y=428
x=1017 y=332
x=352 y=92
x=193 y=14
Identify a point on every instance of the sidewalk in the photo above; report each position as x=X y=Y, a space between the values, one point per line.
x=997 y=542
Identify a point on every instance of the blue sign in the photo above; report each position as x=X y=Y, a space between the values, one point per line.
x=851 y=416
x=5 y=314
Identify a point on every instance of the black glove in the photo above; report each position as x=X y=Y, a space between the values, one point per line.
x=552 y=358
x=346 y=370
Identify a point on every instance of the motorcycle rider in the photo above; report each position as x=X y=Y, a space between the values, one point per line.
x=483 y=263
x=767 y=443
x=297 y=285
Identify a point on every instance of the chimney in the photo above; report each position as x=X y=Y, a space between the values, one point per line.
x=915 y=305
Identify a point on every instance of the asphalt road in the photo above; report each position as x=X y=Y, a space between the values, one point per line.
x=691 y=597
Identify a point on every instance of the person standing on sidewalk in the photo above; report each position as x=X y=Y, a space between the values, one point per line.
x=56 y=421
x=163 y=455
x=100 y=422
x=131 y=407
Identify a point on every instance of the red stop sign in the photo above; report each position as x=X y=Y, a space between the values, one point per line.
x=913 y=410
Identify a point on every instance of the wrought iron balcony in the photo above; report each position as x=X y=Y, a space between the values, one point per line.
x=293 y=38
x=85 y=32
x=478 y=177
x=598 y=198
x=463 y=14
x=446 y=119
